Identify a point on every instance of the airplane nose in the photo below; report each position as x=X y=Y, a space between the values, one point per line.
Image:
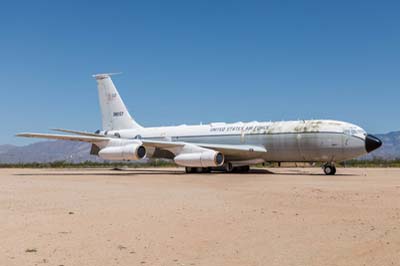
x=372 y=143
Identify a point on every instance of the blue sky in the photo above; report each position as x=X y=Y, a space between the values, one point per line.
x=199 y=61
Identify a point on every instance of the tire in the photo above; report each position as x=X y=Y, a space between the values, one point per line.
x=334 y=170
x=229 y=168
x=198 y=170
x=329 y=169
x=207 y=170
x=188 y=170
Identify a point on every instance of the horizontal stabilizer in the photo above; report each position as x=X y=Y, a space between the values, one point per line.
x=105 y=75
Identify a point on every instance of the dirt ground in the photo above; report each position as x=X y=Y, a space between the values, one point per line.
x=165 y=217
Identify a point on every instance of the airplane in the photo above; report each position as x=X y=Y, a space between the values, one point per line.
x=229 y=147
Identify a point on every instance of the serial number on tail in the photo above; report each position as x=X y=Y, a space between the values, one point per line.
x=118 y=114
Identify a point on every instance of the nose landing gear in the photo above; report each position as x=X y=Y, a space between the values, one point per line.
x=329 y=169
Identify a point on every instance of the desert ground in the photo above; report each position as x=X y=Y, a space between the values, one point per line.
x=285 y=216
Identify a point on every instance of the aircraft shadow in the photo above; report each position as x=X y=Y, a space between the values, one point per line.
x=105 y=173
x=134 y=172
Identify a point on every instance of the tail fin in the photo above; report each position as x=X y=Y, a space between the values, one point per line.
x=114 y=114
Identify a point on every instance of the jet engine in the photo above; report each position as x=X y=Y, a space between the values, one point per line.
x=129 y=152
x=200 y=159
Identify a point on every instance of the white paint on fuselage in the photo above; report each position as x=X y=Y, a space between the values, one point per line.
x=304 y=140
x=255 y=127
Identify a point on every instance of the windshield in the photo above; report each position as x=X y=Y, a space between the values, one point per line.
x=355 y=131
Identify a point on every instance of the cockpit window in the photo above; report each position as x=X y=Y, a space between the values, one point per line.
x=354 y=131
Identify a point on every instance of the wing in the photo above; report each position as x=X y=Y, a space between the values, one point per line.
x=90 y=139
x=76 y=132
x=238 y=152
x=229 y=151
x=235 y=149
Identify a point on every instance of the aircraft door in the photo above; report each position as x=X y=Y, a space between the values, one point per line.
x=345 y=139
x=242 y=136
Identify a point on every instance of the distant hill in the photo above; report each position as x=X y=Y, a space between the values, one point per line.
x=6 y=148
x=390 y=148
x=47 y=151
x=75 y=152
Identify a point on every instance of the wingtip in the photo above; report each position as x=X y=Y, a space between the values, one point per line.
x=23 y=134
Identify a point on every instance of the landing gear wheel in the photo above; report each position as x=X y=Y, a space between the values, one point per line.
x=189 y=170
x=329 y=169
x=197 y=170
x=207 y=170
x=229 y=168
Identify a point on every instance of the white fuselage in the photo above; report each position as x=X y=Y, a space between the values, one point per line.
x=289 y=141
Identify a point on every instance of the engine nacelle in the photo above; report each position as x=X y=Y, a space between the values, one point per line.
x=200 y=159
x=129 y=152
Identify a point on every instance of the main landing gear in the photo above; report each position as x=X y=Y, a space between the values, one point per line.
x=197 y=170
x=329 y=169
x=228 y=168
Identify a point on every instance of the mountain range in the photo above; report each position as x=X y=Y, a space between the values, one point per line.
x=47 y=151
x=390 y=149
x=75 y=152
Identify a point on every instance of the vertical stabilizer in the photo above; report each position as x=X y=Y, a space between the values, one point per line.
x=114 y=114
